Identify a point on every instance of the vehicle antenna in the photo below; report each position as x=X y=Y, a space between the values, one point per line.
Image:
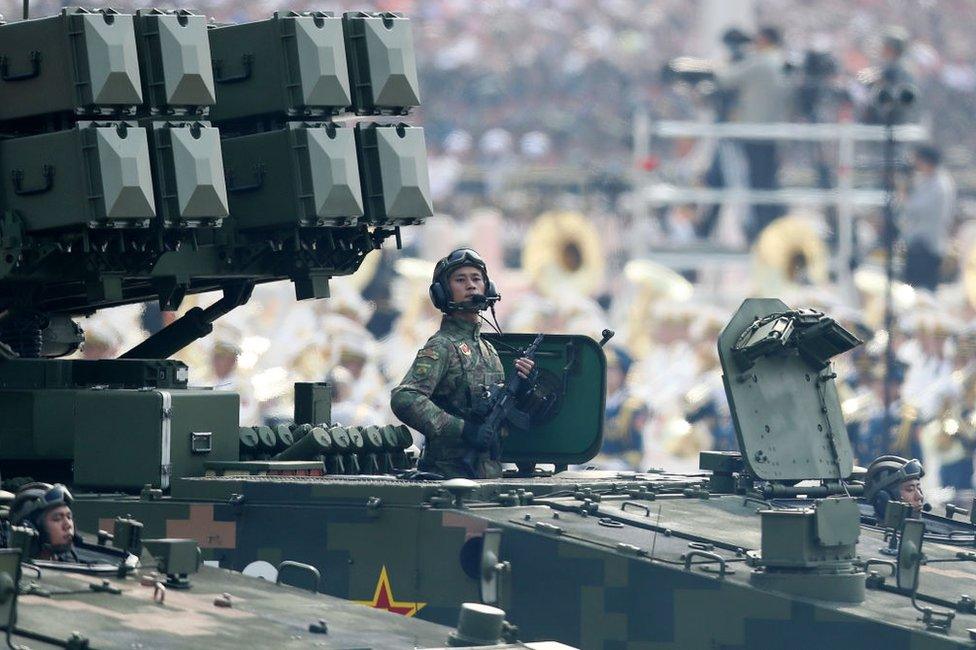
x=658 y=522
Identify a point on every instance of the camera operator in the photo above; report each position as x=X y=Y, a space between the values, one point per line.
x=891 y=72
x=761 y=96
x=726 y=167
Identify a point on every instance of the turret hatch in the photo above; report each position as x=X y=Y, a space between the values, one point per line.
x=780 y=385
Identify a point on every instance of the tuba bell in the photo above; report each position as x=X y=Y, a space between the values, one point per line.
x=563 y=252
x=790 y=252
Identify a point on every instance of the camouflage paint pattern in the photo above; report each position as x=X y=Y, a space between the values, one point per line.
x=603 y=580
x=135 y=613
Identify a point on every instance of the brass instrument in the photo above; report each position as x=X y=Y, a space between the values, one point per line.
x=789 y=252
x=563 y=253
x=654 y=284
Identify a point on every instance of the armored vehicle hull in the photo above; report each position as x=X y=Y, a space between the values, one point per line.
x=594 y=559
x=113 y=613
x=766 y=548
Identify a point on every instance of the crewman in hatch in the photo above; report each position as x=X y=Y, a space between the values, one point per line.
x=436 y=397
x=47 y=509
x=893 y=478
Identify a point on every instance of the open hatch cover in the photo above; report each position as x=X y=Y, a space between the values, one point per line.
x=781 y=391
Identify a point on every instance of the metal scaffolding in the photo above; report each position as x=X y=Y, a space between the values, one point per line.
x=844 y=196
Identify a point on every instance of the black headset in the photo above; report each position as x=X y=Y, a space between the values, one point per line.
x=880 y=504
x=440 y=290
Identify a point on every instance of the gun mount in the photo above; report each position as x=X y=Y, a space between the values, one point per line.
x=197 y=159
x=150 y=157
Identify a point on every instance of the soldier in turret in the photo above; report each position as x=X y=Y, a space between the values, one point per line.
x=438 y=395
x=893 y=478
x=47 y=509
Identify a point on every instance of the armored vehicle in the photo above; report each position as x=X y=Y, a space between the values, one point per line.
x=768 y=547
x=106 y=598
x=149 y=157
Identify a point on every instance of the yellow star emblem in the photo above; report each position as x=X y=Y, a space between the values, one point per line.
x=383 y=598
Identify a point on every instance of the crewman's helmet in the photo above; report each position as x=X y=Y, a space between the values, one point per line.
x=34 y=499
x=884 y=478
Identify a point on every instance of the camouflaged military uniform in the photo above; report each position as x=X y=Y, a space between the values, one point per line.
x=439 y=392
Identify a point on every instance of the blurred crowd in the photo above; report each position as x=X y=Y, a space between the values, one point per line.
x=558 y=81
x=665 y=398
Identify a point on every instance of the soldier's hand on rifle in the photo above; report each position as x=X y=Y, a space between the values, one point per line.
x=524 y=367
x=477 y=435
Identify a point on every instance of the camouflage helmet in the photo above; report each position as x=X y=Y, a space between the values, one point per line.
x=34 y=499
x=884 y=477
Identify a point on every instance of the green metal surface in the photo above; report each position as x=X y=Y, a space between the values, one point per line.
x=91 y=187
x=574 y=378
x=173 y=52
x=293 y=64
x=258 y=614
x=778 y=409
x=596 y=574
x=148 y=435
x=83 y=60
x=189 y=172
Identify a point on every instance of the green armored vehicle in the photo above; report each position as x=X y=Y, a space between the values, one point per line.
x=766 y=548
x=147 y=157
x=94 y=606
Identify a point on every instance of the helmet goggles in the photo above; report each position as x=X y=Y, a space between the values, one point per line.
x=58 y=494
x=910 y=470
x=460 y=257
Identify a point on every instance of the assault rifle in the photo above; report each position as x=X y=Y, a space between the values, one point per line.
x=499 y=407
